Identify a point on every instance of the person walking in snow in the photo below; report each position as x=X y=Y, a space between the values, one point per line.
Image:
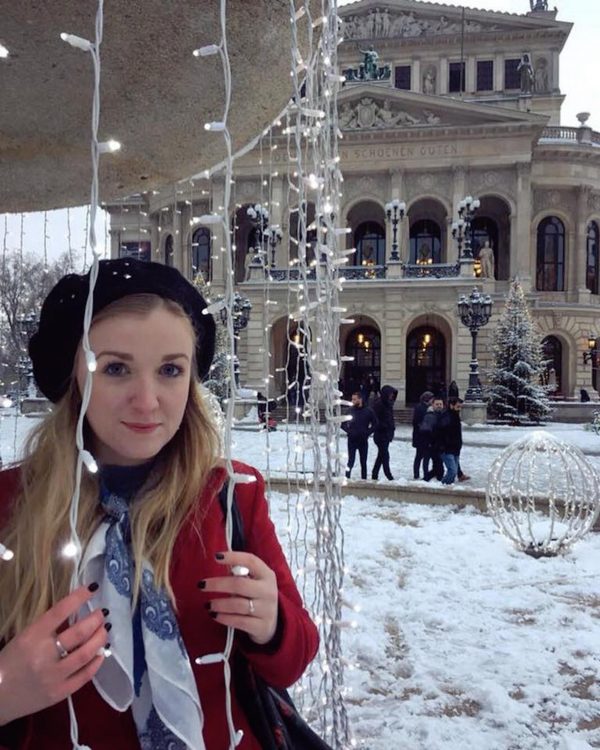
x=450 y=439
x=361 y=425
x=431 y=434
x=384 y=432
x=420 y=439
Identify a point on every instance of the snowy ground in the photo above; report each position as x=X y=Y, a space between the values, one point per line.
x=461 y=643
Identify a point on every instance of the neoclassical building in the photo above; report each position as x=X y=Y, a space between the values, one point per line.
x=440 y=103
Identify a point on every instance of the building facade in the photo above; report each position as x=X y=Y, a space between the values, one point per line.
x=439 y=103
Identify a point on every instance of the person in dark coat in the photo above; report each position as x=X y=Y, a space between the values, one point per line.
x=418 y=441
x=264 y=407
x=384 y=432
x=453 y=390
x=359 y=428
x=431 y=434
x=450 y=439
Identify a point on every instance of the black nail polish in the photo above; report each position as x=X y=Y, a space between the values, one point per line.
x=220 y=555
x=108 y=626
x=105 y=611
x=93 y=586
x=201 y=584
x=107 y=645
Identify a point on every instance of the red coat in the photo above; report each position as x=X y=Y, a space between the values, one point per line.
x=103 y=728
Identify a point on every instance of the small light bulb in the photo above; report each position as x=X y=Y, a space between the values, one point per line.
x=69 y=550
x=77 y=41
x=90 y=360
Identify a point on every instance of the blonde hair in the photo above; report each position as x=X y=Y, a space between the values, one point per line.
x=38 y=577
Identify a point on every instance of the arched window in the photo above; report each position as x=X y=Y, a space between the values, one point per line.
x=551 y=255
x=364 y=344
x=201 y=251
x=553 y=354
x=425 y=242
x=369 y=240
x=169 y=250
x=592 y=274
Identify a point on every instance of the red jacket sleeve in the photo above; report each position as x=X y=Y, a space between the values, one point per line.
x=297 y=640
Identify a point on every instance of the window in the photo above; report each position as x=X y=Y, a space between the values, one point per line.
x=369 y=240
x=550 y=275
x=139 y=250
x=592 y=275
x=402 y=77
x=456 y=77
x=512 y=76
x=201 y=253
x=425 y=242
x=485 y=75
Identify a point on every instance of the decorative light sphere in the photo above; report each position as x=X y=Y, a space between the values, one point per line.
x=543 y=494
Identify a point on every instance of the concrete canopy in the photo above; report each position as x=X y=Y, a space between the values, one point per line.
x=155 y=95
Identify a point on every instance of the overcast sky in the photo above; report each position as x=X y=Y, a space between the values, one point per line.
x=579 y=80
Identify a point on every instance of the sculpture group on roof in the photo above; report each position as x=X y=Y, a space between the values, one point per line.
x=383 y=23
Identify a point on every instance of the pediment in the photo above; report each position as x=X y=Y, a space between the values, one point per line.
x=372 y=107
x=411 y=19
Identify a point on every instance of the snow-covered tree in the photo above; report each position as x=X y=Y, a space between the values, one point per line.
x=515 y=391
x=219 y=375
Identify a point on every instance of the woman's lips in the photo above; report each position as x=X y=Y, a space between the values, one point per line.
x=141 y=427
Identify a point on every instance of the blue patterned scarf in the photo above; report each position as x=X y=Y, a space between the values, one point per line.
x=149 y=669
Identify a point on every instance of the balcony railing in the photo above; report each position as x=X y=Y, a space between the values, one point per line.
x=430 y=270
x=368 y=273
x=572 y=135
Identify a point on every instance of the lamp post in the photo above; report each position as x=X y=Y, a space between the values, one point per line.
x=474 y=312
x=240 y=314
x=273 y=235
x=259 y=216
x=592 y=353
x=394 y=211
x=461 y=229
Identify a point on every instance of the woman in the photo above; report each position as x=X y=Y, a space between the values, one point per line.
x=157 y=584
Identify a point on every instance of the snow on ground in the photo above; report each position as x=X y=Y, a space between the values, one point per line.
x=461 y=643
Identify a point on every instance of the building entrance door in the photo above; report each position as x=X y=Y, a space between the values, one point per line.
x=425 y=362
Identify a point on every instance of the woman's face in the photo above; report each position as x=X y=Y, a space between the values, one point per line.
x=141 y=384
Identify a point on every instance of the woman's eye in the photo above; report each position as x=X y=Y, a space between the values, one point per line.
x=115 y=368
x=171 y=370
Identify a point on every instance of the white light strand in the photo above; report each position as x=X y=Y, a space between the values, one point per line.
x=313 y=155
x=221 y=127
x=84 y=457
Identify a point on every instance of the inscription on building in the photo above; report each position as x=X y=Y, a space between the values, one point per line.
x=417 y=151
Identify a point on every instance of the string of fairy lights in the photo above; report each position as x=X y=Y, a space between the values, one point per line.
x=312 y=333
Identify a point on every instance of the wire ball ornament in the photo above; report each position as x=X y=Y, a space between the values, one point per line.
x=543 y=494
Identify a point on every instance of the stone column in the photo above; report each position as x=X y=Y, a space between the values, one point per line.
x=443 y=76
x=521 y=237
x=579 y=251
x=470 y=75
x=499 y=72
x=416 y=83
x=396 y=189
x=154 y=236
x=218 y=238
x=459 y=178
x=276 y=217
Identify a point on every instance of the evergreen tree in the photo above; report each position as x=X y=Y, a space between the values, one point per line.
x=515 y=390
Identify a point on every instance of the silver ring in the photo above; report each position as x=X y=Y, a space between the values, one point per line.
x=251 y=606
x=62 y=651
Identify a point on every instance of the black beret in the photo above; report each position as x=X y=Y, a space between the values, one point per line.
x=53 y=347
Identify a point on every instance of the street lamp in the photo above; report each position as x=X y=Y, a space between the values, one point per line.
x=474 y=312
x=259 y=216
x=274 y=236
x=461 y=229
x=240 y=315
x=395 y=210
x=592 y=352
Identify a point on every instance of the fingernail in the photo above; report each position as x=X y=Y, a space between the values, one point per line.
x=220 y=555
x=107 y=645
x=93 y=586
x=207 y=605
x=201 y=584
x=108 y=626
x=213 y=614
x=105 y=611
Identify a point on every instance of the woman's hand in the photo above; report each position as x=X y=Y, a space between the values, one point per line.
x=34 y=674
x=252 y=603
